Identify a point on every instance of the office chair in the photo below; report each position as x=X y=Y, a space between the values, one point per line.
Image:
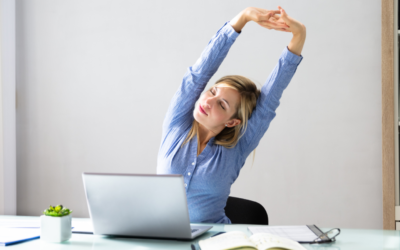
x=242 y=211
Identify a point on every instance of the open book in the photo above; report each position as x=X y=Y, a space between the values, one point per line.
x=240 y=240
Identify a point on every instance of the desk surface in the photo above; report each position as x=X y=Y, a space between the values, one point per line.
x=348 y=239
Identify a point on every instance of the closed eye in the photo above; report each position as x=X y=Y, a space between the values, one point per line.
x=220 y=103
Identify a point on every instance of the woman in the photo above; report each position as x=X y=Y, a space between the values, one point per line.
x=208 y=142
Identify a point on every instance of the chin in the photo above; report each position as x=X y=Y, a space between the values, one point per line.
x=197 y=116
x=200 y=118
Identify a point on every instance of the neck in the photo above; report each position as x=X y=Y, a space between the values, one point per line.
x=205 y=134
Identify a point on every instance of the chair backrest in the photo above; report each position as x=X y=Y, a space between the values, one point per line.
x=242 y=211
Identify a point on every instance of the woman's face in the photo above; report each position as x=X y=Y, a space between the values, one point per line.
x=215 y=108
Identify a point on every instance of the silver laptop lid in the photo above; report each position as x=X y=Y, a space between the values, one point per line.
x=137 y=205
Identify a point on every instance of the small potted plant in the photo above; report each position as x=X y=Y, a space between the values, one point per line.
x=55 y=224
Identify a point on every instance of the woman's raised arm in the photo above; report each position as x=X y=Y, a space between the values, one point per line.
x=276 y=83
x=180 y=111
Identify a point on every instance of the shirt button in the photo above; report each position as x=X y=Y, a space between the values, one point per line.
x=185 y=185
x=192 y=163
x=189 y=173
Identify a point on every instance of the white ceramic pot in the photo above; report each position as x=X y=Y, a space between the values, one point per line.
x=55 y=229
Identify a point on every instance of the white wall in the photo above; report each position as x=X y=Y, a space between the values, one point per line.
x=94 y=79
x=8 y=168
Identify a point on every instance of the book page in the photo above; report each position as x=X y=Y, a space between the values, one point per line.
x=265 y=241
x=231 y=240
x=9 y=235
x=296 y=233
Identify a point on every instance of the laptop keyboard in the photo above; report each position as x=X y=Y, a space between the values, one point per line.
x=195 y=230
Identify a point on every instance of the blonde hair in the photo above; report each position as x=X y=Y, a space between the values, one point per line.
x=249 y=94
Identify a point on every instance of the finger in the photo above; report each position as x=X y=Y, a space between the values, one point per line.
x=270 y=14
x=273 y=14
x=268 y=26
x=282 y=30
x=284 y=15
x=273 y=19
x=272 y=27
x=280 y=9
x=265 y=17
x=279 y=21
x=276 y=25
x=275 y=11
x=277 y=17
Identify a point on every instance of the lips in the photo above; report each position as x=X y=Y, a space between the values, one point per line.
x=202 y=110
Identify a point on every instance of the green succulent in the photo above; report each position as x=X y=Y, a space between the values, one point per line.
x=57 y=211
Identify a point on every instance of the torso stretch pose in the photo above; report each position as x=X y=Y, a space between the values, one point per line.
x=209 y=140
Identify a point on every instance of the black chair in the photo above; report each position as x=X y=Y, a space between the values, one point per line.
x=242 y=211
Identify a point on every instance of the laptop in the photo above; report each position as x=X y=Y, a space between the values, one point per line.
x=139 y=205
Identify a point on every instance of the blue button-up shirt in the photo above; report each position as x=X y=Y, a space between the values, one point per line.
x=209 y=176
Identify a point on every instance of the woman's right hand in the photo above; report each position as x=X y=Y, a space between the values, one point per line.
x=295 y=26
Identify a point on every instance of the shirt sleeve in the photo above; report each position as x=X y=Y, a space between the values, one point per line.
x=268 y=101
x=180 y=111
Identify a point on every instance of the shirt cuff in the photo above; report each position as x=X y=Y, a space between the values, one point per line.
x=229 y=31
x=290 y=57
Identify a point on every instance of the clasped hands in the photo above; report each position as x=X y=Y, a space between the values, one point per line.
x=274 y=19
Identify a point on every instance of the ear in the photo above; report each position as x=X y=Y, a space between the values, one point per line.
x=233 y=123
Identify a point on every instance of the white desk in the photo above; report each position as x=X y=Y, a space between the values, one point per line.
x=348 y=239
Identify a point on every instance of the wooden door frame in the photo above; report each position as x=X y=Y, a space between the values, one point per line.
x=388 y=115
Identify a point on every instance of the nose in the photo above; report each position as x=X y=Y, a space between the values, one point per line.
x=209 y=102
